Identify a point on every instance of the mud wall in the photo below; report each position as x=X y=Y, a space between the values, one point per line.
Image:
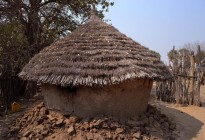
x=121 y=100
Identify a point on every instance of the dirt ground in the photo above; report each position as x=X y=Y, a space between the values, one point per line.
x=190 y=119
x=6 y=120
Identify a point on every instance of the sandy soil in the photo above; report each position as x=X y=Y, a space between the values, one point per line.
x=190 y=119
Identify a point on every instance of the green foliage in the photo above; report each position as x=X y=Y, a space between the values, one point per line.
x=11 y=33
x=184 y=57
x=180 y=59
x=172 y=54
x=156 y=53
x=27 y=26
x=13 y=47
x=45 y=21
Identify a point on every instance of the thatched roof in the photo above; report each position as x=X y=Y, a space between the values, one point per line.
x=94 y=54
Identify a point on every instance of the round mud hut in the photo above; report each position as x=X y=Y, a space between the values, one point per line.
x=96 y=70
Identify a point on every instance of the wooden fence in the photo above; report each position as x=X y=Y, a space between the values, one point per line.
x=180 y=90
x=184 y=88
x=10 y=89
x=165 y=91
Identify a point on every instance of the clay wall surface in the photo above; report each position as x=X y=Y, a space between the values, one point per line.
x=127 y=99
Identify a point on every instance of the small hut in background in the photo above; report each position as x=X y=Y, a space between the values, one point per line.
x=96 y=70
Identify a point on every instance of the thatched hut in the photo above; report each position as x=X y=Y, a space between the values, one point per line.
x=96 y=70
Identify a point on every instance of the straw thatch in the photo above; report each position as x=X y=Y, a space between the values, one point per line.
x=95 y=53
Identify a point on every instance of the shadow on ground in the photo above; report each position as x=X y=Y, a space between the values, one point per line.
x=187 y=126
x=190 y=120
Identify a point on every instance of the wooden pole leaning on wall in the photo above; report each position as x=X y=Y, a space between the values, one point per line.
x=192 y=69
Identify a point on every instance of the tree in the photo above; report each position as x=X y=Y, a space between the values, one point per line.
x=156 y=53
x=181 y=57
x=30 y=25
x=194 y=47
x=173 y=56
x=13 y=48
x=27 y=26
x=44 y=21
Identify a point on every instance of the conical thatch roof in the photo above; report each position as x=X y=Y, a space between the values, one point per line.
x=95 y=53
